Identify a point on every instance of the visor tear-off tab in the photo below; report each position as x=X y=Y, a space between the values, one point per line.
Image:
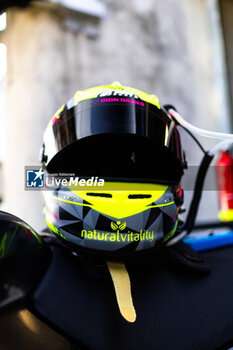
x=122 y=286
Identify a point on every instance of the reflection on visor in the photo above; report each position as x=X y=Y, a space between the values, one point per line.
x=98 y=116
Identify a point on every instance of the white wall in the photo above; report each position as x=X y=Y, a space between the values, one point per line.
x=160 y=46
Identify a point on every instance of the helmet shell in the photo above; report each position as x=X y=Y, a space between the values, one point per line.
x=122 y=135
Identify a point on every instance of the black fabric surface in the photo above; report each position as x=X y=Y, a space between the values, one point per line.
x=5 y=4
x=20 y=274
x=175 y=309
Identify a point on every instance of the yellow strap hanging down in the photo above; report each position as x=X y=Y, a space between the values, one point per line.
x=121 y=281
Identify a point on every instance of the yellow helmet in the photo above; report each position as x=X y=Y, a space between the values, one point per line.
x=121 y=136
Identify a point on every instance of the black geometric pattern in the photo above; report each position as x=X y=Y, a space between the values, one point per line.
x=159 y=218
x=86 y=211
x=167 y=223
x=154 y=213
x=75 y=229
x=104 y=224
x=65 y=215
x=85 y=202
x=129 y=247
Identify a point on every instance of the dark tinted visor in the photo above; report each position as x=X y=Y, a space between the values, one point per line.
x=115 y=137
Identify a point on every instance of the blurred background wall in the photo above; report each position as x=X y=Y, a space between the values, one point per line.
x=179 y=50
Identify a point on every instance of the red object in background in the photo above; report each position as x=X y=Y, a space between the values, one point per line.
x=225 y=185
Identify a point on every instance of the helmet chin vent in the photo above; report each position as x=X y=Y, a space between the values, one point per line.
x=97 y=194
x=139 y=196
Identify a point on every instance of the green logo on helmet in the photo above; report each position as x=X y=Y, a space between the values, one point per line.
x=118 y=226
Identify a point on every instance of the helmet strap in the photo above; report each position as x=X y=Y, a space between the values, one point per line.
x=122 y=286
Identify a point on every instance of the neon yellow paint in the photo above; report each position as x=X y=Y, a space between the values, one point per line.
x=12 y=238
x=3 y=245
x=95 y=91
x=120 y=206
x=172 y=232
x=160 y=205
x=54 y=229
x=128 y=187
x=226 y=215
x=57 y=114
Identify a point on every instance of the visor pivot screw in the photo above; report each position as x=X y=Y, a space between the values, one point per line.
x=133 y=157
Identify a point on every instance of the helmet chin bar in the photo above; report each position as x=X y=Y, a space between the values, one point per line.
x=222 y=145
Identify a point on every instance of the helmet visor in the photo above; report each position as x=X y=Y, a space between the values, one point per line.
x=101 y=135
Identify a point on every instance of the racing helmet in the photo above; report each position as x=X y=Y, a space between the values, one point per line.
x=127 y=146
x=16 y=235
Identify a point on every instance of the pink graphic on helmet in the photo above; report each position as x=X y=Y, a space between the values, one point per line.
x=121 y=99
